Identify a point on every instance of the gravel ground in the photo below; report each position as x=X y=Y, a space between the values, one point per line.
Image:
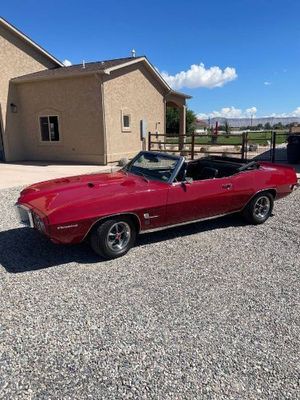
x=208 y=311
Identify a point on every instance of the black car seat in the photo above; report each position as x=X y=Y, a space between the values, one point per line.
x=208 y=173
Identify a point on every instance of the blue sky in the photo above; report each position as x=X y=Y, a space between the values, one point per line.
x=258 y=41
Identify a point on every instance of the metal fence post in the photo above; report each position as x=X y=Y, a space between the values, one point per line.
x=243 y=145
x=273 y=146
x=149 y=141
x=193 y=146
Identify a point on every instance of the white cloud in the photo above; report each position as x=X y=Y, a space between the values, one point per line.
x=230 y=112
x=67 y=63
x=251 y=111
x=267 y=83
x=295 y=113
x=198 y=76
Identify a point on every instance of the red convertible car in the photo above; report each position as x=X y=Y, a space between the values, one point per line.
x=153 y=191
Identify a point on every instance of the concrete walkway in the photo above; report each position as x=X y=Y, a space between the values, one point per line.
x=23 y=173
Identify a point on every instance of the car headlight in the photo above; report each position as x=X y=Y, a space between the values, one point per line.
x=39 y=223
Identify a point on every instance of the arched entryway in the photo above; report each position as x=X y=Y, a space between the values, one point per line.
x=176 y=107
x=174 y=102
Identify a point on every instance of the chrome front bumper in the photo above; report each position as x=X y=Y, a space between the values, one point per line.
x=24 y=215
x=297 y=185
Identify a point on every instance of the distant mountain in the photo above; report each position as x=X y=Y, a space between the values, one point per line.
x=243 y=122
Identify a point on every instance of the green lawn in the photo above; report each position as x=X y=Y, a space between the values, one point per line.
x=264 y=137
x=261 y=138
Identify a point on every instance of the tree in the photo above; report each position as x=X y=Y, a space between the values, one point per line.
x=278 y=126
x=190 y=121
x=172 y=121
x=227 y=128
x=268 y=126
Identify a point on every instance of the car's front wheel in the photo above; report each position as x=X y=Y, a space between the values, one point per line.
x=113 y=238
x=259 y=208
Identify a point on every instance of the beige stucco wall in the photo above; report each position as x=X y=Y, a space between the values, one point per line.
x=135 y=91
x=16 y=58
x=77 y=103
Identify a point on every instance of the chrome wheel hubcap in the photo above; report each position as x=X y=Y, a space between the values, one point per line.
x=118 y=236
x=262 y=207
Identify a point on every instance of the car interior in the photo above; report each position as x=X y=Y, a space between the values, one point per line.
x=207 y=168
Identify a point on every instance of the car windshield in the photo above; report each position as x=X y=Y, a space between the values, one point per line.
x=153 y=166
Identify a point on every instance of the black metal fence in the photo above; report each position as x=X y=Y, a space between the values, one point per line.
x=267 y=145
x=271 y=146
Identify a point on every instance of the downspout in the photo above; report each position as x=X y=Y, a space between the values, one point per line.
x=103 y=120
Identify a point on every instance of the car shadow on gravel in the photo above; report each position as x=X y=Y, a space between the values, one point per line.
x=24 y=249
x=190 y=229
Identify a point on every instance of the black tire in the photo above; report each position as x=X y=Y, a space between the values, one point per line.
x=102 y=237
x=259 y=209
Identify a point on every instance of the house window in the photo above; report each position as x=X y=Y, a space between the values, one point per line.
x=49 y=128
x=126 y=122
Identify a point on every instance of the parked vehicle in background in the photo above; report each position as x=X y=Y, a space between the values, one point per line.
x=153 y=191
x=293 y=149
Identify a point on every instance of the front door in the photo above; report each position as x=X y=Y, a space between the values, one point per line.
x=199 y=199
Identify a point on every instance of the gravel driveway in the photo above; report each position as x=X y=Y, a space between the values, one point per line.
x=208 y=311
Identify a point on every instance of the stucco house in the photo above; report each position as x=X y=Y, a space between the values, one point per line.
x=94 y=112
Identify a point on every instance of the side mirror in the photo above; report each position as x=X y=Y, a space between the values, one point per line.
x=188 y=180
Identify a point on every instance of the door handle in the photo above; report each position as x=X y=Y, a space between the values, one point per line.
x=227 y=186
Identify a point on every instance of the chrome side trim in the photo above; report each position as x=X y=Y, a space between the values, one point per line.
x=111 y=216
x=161 y=228
x=147 y=216
x=66 y=226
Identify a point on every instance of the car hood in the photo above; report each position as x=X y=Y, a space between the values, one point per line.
x=81 y=191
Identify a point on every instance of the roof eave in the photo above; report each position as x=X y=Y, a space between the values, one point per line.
x=24 y=79
x=153 y=69
x=137 y=60
x=186 y=96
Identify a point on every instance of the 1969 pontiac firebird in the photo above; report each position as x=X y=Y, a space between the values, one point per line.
x=153 y=191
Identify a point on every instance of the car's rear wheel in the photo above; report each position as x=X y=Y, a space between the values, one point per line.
x=259 y=209
x=113 y=238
